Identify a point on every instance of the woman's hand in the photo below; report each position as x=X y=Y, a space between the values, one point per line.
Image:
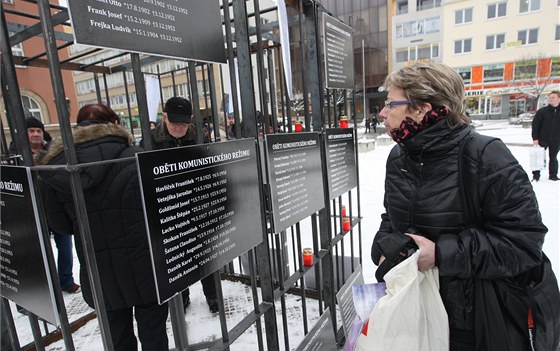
x=427 y=248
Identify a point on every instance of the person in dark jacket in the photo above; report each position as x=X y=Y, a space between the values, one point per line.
x=114 y=208
x=39 y=140
x=423 y=207
x=546 y=133
x=177 y=130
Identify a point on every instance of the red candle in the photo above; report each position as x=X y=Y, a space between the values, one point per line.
x=307 y=257
x=343 y=122
x=343 y=211
x=298 y=127
x=346 y=224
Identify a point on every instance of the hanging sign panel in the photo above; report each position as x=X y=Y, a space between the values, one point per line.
x=339 y=53
x=24 y=274
x=295 y=177
x=199 y=203
x=341 y=161
x=190 y=29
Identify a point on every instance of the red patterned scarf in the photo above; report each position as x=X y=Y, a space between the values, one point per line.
x=409 y=127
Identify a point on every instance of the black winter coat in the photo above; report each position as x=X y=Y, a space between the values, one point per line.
x=422 y=196
x=114 y=209
x=161 y=139
x=546 y=126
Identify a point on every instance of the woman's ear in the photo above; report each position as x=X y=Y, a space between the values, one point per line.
x=423 y=109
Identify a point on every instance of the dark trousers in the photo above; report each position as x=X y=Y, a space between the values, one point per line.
x=208 y=286
x=461 y=340
x=64 y=261
x=151 y=322
x=553 y=164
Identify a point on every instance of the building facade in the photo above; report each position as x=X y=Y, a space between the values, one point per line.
x=34 y=82
x=417 y=32
x=508 y=53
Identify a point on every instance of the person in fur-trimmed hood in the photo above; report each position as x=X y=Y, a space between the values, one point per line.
x=116 y=220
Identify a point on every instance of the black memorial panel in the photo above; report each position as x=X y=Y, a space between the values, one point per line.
x=295 y=177
x=341 y=161
x=25 y=277
x=339 y=53
x=186 y=29
x=201 y=204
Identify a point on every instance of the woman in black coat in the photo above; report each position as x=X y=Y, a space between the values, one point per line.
x=116 y=220
x=423 y=200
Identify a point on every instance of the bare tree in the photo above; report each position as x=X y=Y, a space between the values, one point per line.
x=531 y=76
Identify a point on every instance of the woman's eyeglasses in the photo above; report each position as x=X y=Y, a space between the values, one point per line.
x=390 y=104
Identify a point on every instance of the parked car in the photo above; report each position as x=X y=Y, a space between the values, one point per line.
x=475 y=123
x=526 y=117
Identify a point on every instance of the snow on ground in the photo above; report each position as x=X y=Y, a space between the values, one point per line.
x=204 y=326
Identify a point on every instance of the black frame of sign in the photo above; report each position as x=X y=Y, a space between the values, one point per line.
x=26 y=278
x=340 y=163
x=160 y=28
x=199 y=207
x=294 y=171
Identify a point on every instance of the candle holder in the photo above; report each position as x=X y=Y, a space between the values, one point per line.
x=343 y=122
x=346 y=225
x=343 y=210
x=308 y=257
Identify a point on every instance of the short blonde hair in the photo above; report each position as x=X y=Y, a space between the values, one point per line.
x=434 y=83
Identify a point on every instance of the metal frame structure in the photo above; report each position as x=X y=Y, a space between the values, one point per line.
x=249 y=45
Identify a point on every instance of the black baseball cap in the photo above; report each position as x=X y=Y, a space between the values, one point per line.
x=178 y=109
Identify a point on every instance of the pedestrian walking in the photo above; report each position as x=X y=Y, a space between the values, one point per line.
x=546 y=133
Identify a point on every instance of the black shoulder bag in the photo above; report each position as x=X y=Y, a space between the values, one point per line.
x=517 y=313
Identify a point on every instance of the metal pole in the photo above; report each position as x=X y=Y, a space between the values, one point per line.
x=195 y=102
x=75 y=181
x=245 y=68
x=213 y=100
x=141 y=100
x=232 y=69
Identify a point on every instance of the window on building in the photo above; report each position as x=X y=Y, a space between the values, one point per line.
x=463 y=46
x=528 y=36
x=402 y=7
x=493 y=73
x=525 y=69
x=8 y=1
x=555 y=66
x=557 y=33
x=496 y=10
x=17 y=50
x=402 y=55
x=427 y=4
x=529 y=5
x=464 y=16
x=465 y=73
x=413 y=53
x=495 y=41
x=29 y=104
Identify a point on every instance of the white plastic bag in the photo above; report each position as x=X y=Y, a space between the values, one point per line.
x=411 y=317
x=537 y=158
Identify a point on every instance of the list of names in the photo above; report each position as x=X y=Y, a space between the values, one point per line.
x=160 y=27
x=339 y=57
x=295 y=174
x=341 y=165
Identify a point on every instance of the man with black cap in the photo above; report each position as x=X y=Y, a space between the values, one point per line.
x=177 y=130
x=38 y=140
